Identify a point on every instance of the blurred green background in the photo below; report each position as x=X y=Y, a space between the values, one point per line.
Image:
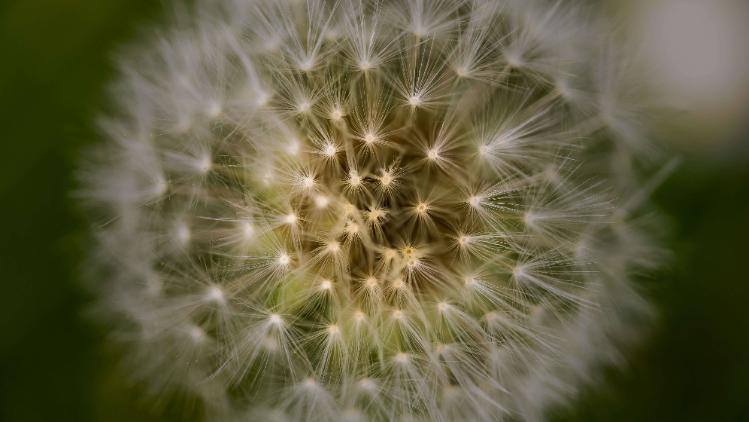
x=56 y=58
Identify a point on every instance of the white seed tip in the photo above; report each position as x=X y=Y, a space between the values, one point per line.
x=303 y=106
x=308 y=182
x=321 y=201
x=275 y=319
x=197 y=335
x=329 y=150
x=359 y=316
x=216 y=295
x=248 y=230
x=464 y=240
x=183 y=234
x=370 y=138
x=367 y=384
x=293 y=147
x=290 y=218
x=336 y=114
x=401 y=358
x=354 y=178
x=309 y=383
x=333 y=247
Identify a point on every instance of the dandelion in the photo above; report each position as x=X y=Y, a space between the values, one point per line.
x=367 y=210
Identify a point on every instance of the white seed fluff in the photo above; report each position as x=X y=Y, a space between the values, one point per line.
x=372 y=210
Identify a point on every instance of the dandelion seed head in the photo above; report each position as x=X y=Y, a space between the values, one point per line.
x=322 y=210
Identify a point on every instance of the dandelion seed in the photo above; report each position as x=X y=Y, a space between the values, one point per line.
x=354 y=179
x=443 y=307
x=333 y=247
x=351 y=228
x=275 y=319
x=196 y=334
x=336 y=114
x=205 y=164
x=216 y=295
x=433 y=154
x=248 y=231
x=292 y=148
x=401 y=358
x=290 y=219
x=329 y=150
x=183 y=234
x=303 y=106
x=370 y=138
x=367 y=385
x=284 y=259
x=386 y=179
x=322 y=201
x=359 y=316
x=461 y=71
x=325 y=285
